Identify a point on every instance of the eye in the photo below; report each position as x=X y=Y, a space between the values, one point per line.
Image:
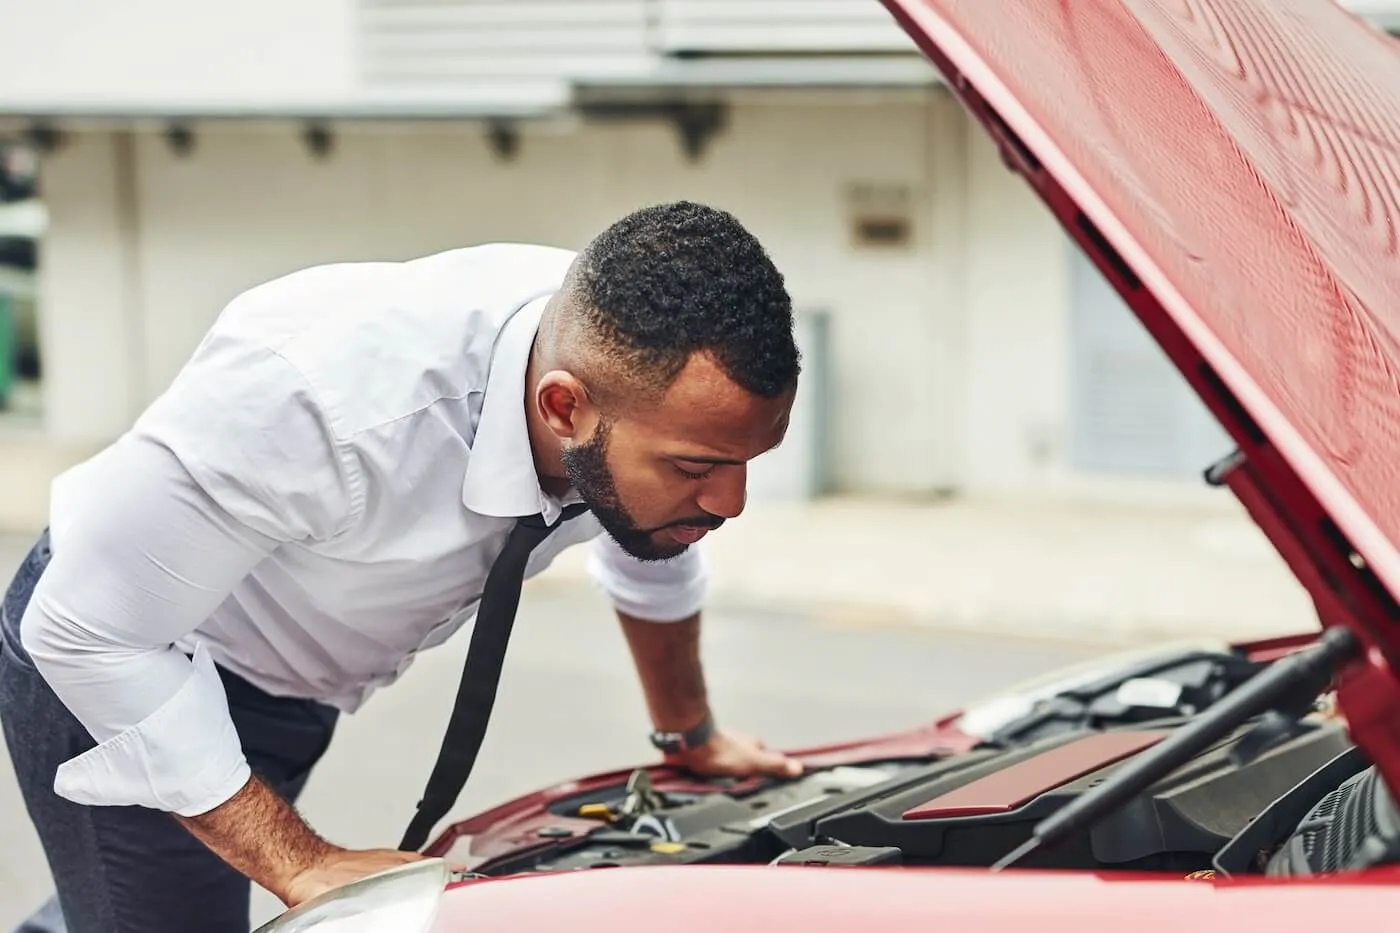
x=693 y=474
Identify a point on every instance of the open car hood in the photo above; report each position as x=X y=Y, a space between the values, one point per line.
x=1233 y=169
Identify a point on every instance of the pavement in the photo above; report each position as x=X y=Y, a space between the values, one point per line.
x=1096 y=571
x=794 y=676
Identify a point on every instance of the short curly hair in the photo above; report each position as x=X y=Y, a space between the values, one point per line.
x=671 y=280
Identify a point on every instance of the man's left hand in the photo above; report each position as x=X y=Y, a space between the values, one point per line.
x=734 y=754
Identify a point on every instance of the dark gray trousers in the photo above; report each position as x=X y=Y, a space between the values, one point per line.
x=128 y=869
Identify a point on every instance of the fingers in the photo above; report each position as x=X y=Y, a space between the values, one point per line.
x=779 y=765
x=733 y=754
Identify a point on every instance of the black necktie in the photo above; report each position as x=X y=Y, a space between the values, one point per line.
x=476 y=694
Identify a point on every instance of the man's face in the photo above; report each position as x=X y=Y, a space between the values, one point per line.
x=659 y=479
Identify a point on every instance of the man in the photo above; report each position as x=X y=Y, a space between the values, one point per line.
x=322 y=493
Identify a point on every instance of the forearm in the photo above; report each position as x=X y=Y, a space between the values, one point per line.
x=260 y=835
x=667 y=656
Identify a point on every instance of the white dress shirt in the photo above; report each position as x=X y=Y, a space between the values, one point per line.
x=317 y=497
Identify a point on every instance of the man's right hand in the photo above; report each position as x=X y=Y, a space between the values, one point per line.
x=340 y=867
x=258 y=833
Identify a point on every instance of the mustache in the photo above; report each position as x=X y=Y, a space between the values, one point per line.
x=700 y=521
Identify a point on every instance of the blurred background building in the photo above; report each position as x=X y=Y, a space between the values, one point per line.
x=159 y=156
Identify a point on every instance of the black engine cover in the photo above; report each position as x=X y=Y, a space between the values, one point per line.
x=1177 y=824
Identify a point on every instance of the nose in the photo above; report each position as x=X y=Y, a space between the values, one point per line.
x=725 y=492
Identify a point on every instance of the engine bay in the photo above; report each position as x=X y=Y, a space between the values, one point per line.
x=1228 y=808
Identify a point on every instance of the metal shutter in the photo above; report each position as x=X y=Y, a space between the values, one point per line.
x=499 y=41
x=777 y=26
x=1132 y=412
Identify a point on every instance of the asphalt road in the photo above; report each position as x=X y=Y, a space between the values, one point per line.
x=569 y=705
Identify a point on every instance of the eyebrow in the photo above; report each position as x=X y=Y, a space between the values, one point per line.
x=717 y=461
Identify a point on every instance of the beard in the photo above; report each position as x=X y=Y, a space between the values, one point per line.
x=587 y=469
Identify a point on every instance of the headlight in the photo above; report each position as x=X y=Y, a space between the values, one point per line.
x=401 y=900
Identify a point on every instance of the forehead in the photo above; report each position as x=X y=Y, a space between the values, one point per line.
x=704 y=409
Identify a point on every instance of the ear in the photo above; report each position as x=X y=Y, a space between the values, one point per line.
x=564 y=404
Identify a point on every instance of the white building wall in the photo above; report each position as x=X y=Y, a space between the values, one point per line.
x=950 y=359
x=333 y=57
x=92 y=54
x=86 y=274
x=251 y=203
x=1015 y=424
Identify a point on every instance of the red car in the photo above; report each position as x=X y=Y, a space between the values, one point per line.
x=1233 y=168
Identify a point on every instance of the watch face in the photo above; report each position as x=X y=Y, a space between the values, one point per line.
x=674 y=742
x=667 y=741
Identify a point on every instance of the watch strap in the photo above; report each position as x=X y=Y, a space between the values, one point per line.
x=674 y=743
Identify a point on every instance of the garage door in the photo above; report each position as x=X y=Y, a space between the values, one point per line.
x=1133 y=414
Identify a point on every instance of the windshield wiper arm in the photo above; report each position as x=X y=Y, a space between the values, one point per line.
x=1304 y=673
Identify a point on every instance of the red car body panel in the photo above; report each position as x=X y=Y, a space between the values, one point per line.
x=1019 y=784
x=1233 y=168
x=724 y=899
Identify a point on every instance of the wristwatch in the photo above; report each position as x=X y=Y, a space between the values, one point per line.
x=674 y=743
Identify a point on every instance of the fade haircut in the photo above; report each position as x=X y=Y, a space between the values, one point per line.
x=667 y=282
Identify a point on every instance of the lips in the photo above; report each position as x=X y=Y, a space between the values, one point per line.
x=689 y=534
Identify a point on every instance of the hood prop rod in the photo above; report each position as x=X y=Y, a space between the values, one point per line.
x=1283 y=684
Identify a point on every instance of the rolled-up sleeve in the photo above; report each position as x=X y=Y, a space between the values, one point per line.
x=654 y=591
x=154 y=534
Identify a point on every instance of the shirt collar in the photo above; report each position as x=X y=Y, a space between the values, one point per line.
x=501 y=479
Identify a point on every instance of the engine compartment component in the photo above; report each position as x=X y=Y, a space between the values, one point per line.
x=841 y=856
x=1176 y=824
x=1162 y=683
x=1016 y=785
x=1250 y=850
x=697 y=828
x=899 y=812
x=1355 y=826
x=1278 y=696
x=1240 y=778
